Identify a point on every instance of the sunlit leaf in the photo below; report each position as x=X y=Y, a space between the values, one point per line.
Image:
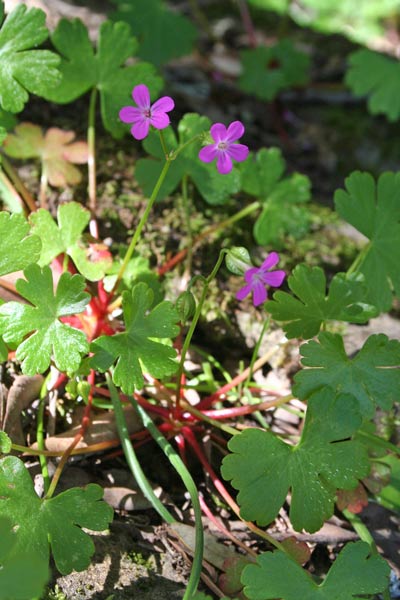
x=24 y=70
x=142 y=346
x=18 y=248
x=36 y=327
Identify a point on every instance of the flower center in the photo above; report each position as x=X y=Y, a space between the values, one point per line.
x=147 y=113
x=222 y=146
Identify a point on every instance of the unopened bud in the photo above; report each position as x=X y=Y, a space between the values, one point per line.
x=185 y=305
x=238 y=260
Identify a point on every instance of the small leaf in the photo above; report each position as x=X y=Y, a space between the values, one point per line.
x=163 y=34
x=55 y=149
x=214 y=188
x=5 y=443
x=356 y=572
x=35 y=571
x=136 y=349
x=18 y=248
x=263 y=468
x=304 y=315
x=354 y=500
x=298 y=550
x=54 y=522
x=67 y=238
x=372 y=376
x=377 y=76
x=22 y=69
x=83 y=70
x=374 y=209
x=267 y=71
x=49 y=337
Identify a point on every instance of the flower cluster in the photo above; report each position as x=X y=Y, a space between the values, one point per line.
x=144 y=114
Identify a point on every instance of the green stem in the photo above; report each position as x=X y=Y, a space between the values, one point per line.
x=187 y=479
x=142 y=222
x=40 y=437
x=43 y=189
x=227 y=222
x=193 y=324
x=365 y=535
x=187 y=224
x=380 y=442
x=131 y=457
x=359 y=259
x=91 y=140
x=163 y=144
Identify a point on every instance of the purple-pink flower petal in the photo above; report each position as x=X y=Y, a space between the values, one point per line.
x=130 y=114
x=218 y=132
x=274 y=278
x=238 y=152
x=234 y=132
x=257 y=278
x=140 y=129
x=164 y=104
x=208 y=153
x=159 y=120
x=259 y=293
x=271 y=260
x=244 y=291
x=224 y=163
x=141 y=96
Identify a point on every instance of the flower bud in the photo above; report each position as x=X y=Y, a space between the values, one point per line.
x=185 y=305
x=238 y=260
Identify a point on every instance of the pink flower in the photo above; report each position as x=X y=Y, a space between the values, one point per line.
x=146 y=114
x=224 y=148
x=258 y=277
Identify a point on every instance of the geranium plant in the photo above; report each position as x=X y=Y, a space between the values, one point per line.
x=79 y=312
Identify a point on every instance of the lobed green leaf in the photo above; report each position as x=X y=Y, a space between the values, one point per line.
x=82 y=69
x=36 y=327
x=54 y=523
x=372 y=376
x=142 y=346
x=303 y=316
x=163 y=34
x=374 y=209
x=23 y=69
x=18 y=248
x=264 y=468
x=355 y=572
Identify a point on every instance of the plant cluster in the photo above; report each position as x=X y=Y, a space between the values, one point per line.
x=83 y=314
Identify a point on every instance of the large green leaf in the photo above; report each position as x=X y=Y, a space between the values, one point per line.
x=163 y=34
x=264 y=468
x=83 y=70
x=140 y=346
x=372 y=376
x=214 y=188
x=304 y=315
x=36 y=328
x=23 y=69
x=56 y=522
x=35 y=570
x=18 y=248
x=355 y=573
x=374 y=209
